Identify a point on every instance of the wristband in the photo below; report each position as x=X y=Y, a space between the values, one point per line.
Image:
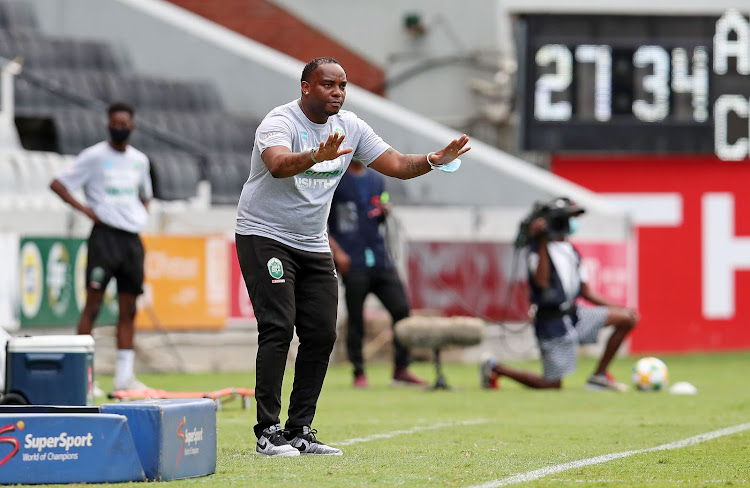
x=432 y=165
x=313 y=150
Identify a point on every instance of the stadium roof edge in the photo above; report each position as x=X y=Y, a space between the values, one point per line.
x=217 y=34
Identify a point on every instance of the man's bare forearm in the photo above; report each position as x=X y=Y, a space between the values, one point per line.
x=402 y=166
x=416 y=165
x=541 y=277
x=65 y=195
x=290 y=164
x=282 y=163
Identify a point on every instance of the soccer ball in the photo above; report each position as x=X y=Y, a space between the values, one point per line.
x=650 y=374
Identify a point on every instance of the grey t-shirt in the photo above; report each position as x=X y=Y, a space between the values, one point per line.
x=294 y=210
x=114 y=183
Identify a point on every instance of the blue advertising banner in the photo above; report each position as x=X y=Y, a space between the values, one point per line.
x=38 y=448
x=174 y=438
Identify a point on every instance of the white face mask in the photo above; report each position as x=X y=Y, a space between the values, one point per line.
x=572 y=225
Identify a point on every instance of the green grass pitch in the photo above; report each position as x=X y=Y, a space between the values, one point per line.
x=414 y=438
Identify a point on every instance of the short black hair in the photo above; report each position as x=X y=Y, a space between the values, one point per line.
x=313 y=64
x=121 y=107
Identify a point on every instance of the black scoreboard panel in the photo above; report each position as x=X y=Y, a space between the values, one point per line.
x=654 y=84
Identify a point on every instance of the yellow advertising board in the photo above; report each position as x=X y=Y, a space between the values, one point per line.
x=186 y=283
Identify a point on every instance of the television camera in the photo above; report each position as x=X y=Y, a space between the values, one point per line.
x=556 y=213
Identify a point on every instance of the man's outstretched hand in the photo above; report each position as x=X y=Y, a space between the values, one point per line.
x=456 y=148
x=330 y=149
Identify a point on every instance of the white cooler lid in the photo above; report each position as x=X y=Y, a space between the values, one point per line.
x=52 y=343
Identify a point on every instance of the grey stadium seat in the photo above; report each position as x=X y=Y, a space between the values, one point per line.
x=17 y=15
x=32 y=99
x=215 y=132
x=227 y=172
x=156 y=94
x=78 y=129
x=45 y=52
x=174 y=175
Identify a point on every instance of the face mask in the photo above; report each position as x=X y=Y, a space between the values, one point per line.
x=573 y=225
x=449 y=167
x=118 y=136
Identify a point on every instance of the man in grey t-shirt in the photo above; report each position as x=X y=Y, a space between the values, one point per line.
x=301 y=150
x=116 y=181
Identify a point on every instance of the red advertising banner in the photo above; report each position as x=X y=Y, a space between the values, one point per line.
x=693 y=220
x=472 y=278
x=239 y=301
x=608 y=269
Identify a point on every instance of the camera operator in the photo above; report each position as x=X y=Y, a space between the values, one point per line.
x=557 y=280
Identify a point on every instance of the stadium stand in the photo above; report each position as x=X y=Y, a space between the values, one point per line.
x=25 y=176
x=17 y=15
x=40 y=51
x=175 y=175
x=224 y=170
x=60 y=100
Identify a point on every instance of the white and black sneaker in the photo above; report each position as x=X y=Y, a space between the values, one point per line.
x=306 y=443
x=487 y=376
x=605 y=381
x=273 y=443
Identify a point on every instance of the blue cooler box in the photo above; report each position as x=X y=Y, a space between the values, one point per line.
x=51 y=370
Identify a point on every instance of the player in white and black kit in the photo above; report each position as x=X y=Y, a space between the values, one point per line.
x=116 y=182
x=556 y=281
x=301 y=150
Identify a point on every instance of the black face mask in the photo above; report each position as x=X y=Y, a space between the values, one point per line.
x=118 y=136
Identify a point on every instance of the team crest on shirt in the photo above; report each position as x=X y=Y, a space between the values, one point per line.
x=339 y=131
x=276 y=270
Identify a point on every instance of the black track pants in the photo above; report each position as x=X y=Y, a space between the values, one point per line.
x=289 y=288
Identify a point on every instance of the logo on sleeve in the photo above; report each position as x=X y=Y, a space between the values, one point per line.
x=268 y=135
x=276 y=270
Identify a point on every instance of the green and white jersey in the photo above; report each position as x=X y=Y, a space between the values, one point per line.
x=294 y=210
x=114 y=183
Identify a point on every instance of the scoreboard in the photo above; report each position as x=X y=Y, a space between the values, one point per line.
x=635 y=83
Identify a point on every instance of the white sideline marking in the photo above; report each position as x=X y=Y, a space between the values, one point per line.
x=692 y=482
x=541 y=473
x=413 y=430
